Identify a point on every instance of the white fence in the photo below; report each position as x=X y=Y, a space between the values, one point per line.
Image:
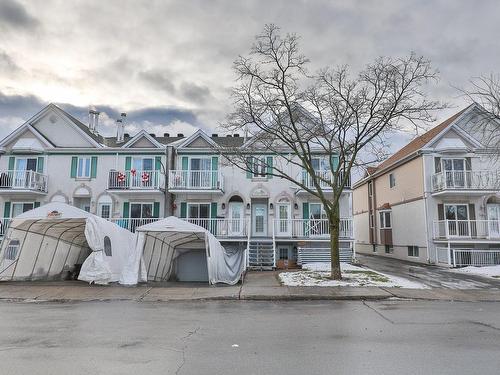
x=23 y=180
x=132 y=223
x=321 y=255
x=483 y=229
x=195 y=180
x=135 y=180
x=310 y=228
x=223 y=228
x=466 y=180
x=467 y=257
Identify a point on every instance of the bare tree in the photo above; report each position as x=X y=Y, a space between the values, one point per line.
x=288 y=112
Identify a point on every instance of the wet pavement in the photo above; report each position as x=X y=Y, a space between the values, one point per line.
x=313 y=337
x=432 y=276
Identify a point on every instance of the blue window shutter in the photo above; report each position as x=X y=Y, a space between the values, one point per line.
x=128 y=163
x=335 y=161
x=12 y=163
x=213 y=215
x=156 y=209
x=126 y=206
x=157 y=163
x=6 y=209
x=215 y=169
x=93 y=167
x=269 y=163
x=183 y=210
x=305 y=216
x=39 y=164
x=249 y=166
x=184 y=163
x=74 y=164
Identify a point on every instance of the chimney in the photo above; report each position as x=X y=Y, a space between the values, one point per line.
x=236 y=135
x=152 y=135
x=215 y=135
x=166 y=135
x=93 y=121
x=120 y=128
x=180 y=135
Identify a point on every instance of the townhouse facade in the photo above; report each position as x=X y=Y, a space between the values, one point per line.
x=436 y=200
x=134 y=180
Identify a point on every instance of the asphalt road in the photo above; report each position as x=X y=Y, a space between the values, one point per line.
x=433 y=276
x=390 y=337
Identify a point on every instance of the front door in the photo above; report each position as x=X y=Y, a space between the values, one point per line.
x=283 y=227
x=457 y=217
x=494 y=220
x=235 y=224
x=259 y=219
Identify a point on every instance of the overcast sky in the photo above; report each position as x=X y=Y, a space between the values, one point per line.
x=168 y=63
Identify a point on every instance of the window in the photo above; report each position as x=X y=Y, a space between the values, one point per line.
x=26 y=164
x=259 y=166
x=107 y=246
x=316 y=211
x=199 y=214
x=283 y=253
x=392 y=180
x=105 y=210
x=320 y=164
x=374 y=248
x=142 y=164
x=371 y=221
x=12 y=249
x=413 y=251
x=141 y=210
x=83 y=167
x=370 y=189
x=19 y=208
x=385 y=220
x=389 y=249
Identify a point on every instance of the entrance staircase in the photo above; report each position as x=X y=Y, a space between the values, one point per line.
x=261 y=254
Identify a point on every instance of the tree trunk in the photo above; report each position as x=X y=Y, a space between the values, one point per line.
x=334 y=223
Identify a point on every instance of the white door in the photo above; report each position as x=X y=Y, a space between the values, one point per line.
x=494 y=220
x=235 y=225
x=283 y=225
x=259 y=219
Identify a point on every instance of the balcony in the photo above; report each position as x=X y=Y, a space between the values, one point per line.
x=132 y=223
x=467 y=229
x=306 y=179
x=310 y=228
x=24 y=181
x=223 y=228
x=465 y=180
x=136 y=181
x=195 y=181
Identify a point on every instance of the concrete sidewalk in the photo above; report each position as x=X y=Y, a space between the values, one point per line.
x=258 y=286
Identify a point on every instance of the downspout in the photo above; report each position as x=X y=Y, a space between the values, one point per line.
x=426 y=211
x=168 y=196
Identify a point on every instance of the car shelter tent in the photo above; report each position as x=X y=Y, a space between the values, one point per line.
x=162 y=244
x=50 y=242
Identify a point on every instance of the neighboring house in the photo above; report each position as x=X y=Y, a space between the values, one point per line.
x=436 y=200
x=136 y=180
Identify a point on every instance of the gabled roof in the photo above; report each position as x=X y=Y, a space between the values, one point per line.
x=197 y=134
x=138 y=136
x=420 y=142
x=20 y=130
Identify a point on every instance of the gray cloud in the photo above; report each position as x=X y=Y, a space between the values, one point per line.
x=14 y=15
x=7 y=64
x=159 y=79
x=194 y=92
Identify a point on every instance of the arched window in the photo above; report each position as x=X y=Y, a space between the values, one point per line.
x=104 y=206
x=236 y=198
x=107 y=246
x=12 y=249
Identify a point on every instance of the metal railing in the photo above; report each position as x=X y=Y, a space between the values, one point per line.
x=4 y=224
x=24 y=180
x=466 y=180
x=195 y=180
x=132 y=223
x=482 y=229
x=223 y=228
x=322 y=255
x=325 y=179
x=136 y=180
x=310 y=228
x=467 y=257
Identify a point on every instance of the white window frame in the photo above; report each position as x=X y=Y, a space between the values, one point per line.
x=453 y=165
x=188 y=204
x=382 y=219
x=141 y=203
x=456 y=204
x=141 y=159
x=389 y=249
x=16 y=164
x=261 y=170
x=86 y=161
x=392 y=180
x=413 y=247
x=23 y=203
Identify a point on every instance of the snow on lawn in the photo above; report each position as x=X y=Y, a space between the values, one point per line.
x=318 y=274
x=486 y=271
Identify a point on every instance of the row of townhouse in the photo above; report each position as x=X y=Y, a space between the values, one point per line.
x=436 y=200
x=133 y=180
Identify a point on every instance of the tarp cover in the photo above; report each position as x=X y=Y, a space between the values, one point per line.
x=161 y=242
x=110 y=246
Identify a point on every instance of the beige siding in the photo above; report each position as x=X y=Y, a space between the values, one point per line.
x=360 y=199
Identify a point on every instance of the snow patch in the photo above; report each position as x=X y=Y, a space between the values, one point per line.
x=317 y=274
x=486 y=271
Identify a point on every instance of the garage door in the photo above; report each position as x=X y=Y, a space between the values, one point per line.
x=192 y=266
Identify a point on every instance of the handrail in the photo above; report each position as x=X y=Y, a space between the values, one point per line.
x=135 y=180
x=24 y=179
x=196 y=180
x=465 y=180
x=485 y=229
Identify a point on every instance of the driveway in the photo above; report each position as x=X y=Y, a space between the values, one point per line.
x=433 y=276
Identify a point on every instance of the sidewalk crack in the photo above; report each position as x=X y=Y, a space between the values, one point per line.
x=378 y=313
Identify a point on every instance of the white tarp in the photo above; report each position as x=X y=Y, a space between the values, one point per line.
x=50 y=241
x=161 y=242
x=110 y=246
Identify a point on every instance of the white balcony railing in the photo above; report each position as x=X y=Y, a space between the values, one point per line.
x=466 y=180
x=480 y=229
x=324 y=179
x=310 y=228
x=136 y=180
x=195 y=180
x=4 y=223
x=23 y=180
x=132 y=223
x=467 y=257
x=223 y=228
